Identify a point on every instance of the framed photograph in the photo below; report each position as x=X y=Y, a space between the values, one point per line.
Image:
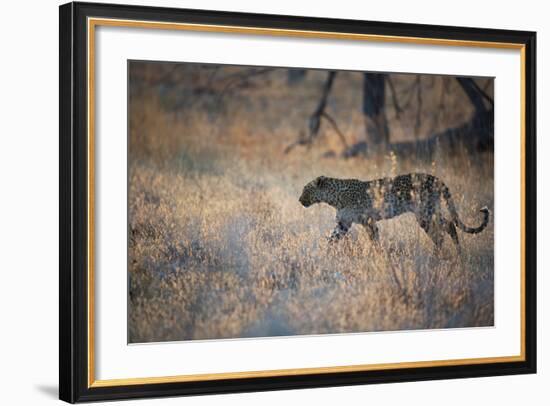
x=257 y=202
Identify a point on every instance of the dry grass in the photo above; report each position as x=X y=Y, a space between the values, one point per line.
x=220 y=247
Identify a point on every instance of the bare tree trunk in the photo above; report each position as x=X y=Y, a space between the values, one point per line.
x=418 y=119
x=296 y=76
x=374 y=98
x=474 y=93
x=475 y=135
x=482 y=123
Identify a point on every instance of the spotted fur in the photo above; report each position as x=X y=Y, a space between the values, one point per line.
x=366 y=203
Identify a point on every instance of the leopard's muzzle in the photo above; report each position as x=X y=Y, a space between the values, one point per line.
x=304 y=200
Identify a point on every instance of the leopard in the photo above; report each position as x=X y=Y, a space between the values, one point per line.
x=367 y=202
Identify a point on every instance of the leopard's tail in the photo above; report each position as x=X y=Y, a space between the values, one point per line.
x=456 y=220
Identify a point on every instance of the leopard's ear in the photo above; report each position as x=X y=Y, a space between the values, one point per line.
x=321 y=181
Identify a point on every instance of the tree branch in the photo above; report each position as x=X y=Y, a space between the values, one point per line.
x=474 y=93
x=315 y=119
x=335 y=127
x=396 y=106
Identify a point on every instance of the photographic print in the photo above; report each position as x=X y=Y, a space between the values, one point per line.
x=273 y=201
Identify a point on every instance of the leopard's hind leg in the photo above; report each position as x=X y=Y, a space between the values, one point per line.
x=451 y=230
x=432 y=225
x=372 y=229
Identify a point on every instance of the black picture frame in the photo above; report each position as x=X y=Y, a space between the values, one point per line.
x=73 y=256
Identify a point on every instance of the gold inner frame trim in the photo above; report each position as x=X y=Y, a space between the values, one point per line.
x=94 y=22
x=299 y=371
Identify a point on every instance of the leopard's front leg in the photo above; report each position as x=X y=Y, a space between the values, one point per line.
x=339 y=231
x=343 y=224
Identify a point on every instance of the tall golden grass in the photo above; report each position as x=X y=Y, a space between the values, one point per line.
x=220 y=247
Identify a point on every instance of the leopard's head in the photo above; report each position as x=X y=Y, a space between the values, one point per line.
x=315 y=191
